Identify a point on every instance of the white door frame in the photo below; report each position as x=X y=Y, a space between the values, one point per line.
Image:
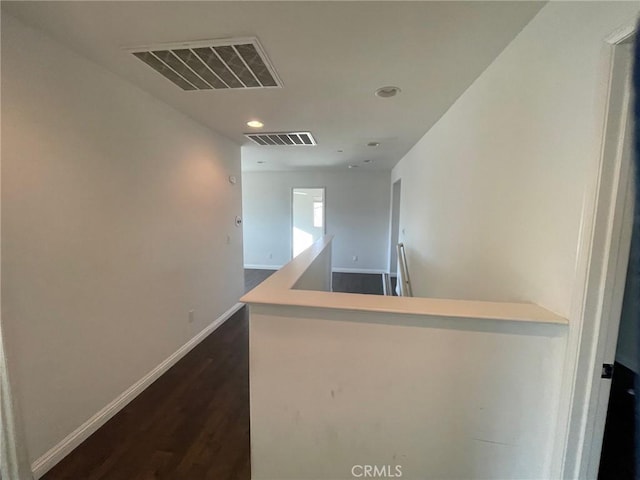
x=600 y=274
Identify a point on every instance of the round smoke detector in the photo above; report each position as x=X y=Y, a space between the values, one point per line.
x=386 y=92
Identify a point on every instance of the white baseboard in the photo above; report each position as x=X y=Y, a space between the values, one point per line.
x=336 y=270
x=264 y=267
x=358 y=270
x=47 y=461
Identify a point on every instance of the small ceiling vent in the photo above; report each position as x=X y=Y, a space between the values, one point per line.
x=214 y=64
x=285 y=139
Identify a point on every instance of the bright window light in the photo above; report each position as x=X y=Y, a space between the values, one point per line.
x=318 y=214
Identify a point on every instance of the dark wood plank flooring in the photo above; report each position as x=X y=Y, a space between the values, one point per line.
x=369 y=283
x=253 y=277
x=192 y=423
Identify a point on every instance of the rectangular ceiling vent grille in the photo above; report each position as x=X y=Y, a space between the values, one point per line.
x=216 y=64
x=282 y=139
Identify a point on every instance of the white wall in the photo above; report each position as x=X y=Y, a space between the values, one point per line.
x=317 y=277
x=357 y=213
x=471 y=393
x=115 y=216
x=492 y=195
x=461 y=398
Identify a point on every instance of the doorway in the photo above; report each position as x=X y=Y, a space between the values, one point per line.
x=307 y=217
x=396 y=190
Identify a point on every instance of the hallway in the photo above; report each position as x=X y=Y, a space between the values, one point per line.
x=192 y=423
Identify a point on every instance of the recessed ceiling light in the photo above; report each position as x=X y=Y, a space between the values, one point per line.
x=386 y=92
x=255 y=124
x=367 y=160
x=260 y=162
x=373 y=144
x=340 y=151
x=353 y=166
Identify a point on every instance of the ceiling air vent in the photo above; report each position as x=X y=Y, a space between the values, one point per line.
x=286 y=139
x=214 y=64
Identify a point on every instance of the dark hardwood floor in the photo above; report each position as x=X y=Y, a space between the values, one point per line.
x=369 y=283
x=191 y=424
x=253 y=277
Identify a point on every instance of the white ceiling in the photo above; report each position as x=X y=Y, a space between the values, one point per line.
x=331 y=57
